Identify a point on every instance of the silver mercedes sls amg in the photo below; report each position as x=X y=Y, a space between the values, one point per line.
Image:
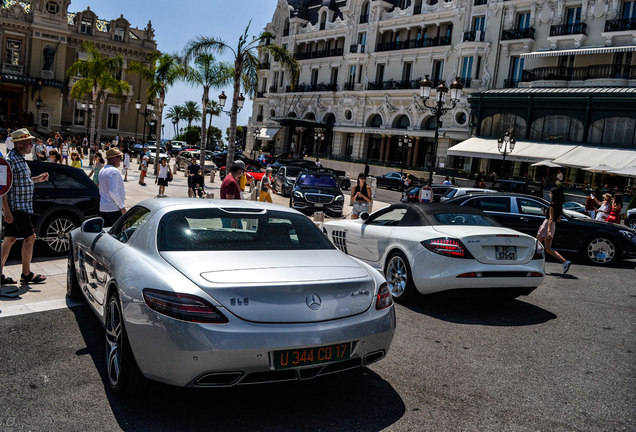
x=219 y=293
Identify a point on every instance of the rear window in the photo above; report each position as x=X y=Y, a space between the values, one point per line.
x=464 y=219
x=293 y=171
x=218 y=230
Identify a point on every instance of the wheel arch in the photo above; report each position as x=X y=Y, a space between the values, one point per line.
x=392 y=250
x=58 y=208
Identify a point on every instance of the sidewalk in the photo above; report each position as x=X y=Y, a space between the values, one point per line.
x=52 y=294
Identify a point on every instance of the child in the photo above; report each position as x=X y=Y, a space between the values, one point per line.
x=144 y=170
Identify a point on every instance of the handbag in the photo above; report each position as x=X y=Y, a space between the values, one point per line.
x=169 y=176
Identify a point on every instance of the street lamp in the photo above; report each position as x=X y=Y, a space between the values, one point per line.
x=88 y=107
x=404 y=143
x=145 y=114
x=439 y=109
x=319 y=137
x=240 y=101
x=505 y=145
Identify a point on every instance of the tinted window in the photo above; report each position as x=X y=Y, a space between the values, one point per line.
x=530 y=207
x=218 y=230
x=317 y=180
x=464 y=219
x=125 y=227
x=293 y=171
x=451 y=193
x=390 y=218
x=494 y=204
x=62 y=181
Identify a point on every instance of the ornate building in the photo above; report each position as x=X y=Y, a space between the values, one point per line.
x=40 y=41
x=361 y=62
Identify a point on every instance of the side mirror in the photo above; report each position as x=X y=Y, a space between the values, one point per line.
x=93 y=226
x=364 y=216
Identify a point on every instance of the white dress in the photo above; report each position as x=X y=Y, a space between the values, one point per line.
x=603 y=212
x=127 y=161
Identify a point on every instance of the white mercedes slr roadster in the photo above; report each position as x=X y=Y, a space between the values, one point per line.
x=426 y=248
x=220 y=293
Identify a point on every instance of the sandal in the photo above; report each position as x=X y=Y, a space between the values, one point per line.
x=8 y=281
x=31 y=278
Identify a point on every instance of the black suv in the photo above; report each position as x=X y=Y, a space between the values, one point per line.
x=518 y=187
x=61 y=204
x=317 y=191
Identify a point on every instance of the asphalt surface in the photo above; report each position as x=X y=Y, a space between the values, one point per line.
x=561 y=359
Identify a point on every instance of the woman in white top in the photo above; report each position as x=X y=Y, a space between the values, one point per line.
x=126 y=162
x=606 y=207
x=65 y=152
x=162 y=176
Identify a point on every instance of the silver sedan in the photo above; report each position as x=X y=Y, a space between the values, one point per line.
x=222 y=293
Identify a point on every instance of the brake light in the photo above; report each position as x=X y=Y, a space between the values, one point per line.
x=184 y=307
x=539 y=252
x=384 y=298
x=448 y=247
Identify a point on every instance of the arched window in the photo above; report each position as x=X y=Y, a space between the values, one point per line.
x=375 y=121
x=497 y=125
x=310 y=116
x=330 y=119
x=403 y=122
x=613 y=131
x=292 y=114
x=364 y=12
x=430 y=123
x=323 y=20
x=557 y=128
x=286 y=27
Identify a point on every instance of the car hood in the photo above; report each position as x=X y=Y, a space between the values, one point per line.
x=318 y=190
x=273 y=287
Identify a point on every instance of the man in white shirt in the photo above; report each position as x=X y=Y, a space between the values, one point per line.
x=112 y=194
x=9 y=142
x=447 y=182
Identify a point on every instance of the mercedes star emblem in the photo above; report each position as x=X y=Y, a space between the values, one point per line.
x=314 y=302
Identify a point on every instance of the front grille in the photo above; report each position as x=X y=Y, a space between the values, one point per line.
x=319 y=198
x=339 y=239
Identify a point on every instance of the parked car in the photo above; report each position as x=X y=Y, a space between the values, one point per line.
x=221 y=158
x=343 y=180
x=425 y=248
x=459 y=191
x=285 y=178
x=393 y=180
x=184 y=158
x=317 y=191
x=177 y=146
x=599 y=242
x=412 y=194
x=61 y=204
x=251 y=172
x=137 y=149
x=170 y=283
x=265 y=159
x=574 y=206
x=518 y=187
x=630 y=218
x=153 y=154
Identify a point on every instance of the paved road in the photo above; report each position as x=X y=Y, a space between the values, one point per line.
x=562 y=359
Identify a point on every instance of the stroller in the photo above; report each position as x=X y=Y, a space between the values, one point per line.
x=198 y=186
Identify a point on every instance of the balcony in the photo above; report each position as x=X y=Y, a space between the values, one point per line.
x=413 y=43
x=557 y=73
x=511 y=83
x=464 y=81
x=319 y=54
x=568 y=29
x=310 y=88
x=473 y=36
x=357 y=49
x=273 y=89
x=364 y=19
x=518 y=33
x=9 y=68
x=394 y=85
x=348 y=86
x=628 y=24
x=265 y=66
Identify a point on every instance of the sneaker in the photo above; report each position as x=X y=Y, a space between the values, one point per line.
x=566 y=266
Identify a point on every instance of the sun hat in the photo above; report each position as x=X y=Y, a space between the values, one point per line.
x=239 y=163
x=113 y=152
x=21 y=135
x=607 y=196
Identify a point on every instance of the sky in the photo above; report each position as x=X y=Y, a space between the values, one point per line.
x=175 y=23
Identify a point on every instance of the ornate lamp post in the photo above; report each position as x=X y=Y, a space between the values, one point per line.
x=240 y=101
x=505 y=145
x=319 y=138
x=404 y=144
x=145 y=114
x=88 y=107
x=439 y=109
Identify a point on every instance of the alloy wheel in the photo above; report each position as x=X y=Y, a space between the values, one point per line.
x=113 y=341
x=56 y=235
x=397 y=276
x=601 y=251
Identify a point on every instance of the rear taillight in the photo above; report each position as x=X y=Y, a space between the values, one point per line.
x=539 y=252
x=184 y=307
x=448 y=247
x=384 y=298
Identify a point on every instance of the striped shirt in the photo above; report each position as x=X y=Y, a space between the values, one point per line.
x=20 y=196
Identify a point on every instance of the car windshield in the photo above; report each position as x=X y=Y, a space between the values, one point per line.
x=238 y=230
x=317 y=180
x=293 y=171
x=464 y=219
x=451 y=193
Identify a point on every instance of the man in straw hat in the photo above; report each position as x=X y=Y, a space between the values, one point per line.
x=17 y=206
x=112 y=194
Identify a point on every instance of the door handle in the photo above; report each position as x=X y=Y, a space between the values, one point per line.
x=525 y=219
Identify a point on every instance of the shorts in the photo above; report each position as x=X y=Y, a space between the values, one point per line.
x=143 y=172
x=360 y=207
x=64 y=156
x=21 y=227
x=162 y=181
x=543 y=229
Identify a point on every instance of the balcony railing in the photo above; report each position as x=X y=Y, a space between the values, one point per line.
x=471 y=36
x=518 y=33
x=308 y=88
x=568 y=29
x=606 y=71
x=265 y=66
x=625 y=24
x=260 y=94
x=357 y=48
x=480 y=2
x=336 y=52
x=511 y=83
x=364 y=19
x=348 y=86
x=273 y=89
x=464 y=81
x=414 y=43
x=394 y=85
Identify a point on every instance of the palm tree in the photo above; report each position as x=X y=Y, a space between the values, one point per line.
x=97 y=79
x=161 y=71
x=207 y=73
x=213 y=110
x=191 y=112
x=175 y=113
x=246 y=68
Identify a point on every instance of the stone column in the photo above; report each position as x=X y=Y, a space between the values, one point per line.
x=409 y=155
x=301 y=142
x=388 y=148
x=416 y=151
x=382 y=148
